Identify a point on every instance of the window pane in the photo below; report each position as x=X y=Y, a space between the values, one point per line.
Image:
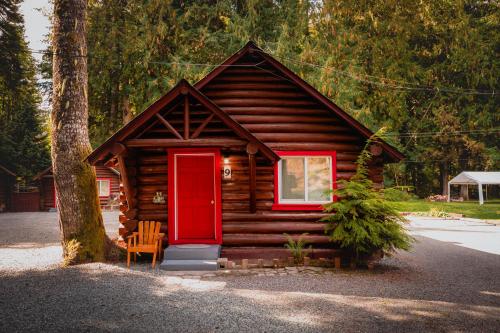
x=318 y=178
x=292 y=178
x=103 y=187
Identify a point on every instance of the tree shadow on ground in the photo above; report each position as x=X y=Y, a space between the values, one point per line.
x=441 y=271
x=103 y=297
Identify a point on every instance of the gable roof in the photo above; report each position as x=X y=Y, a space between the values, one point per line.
x=251 y=47
x=49 y=170
x=477 y=177
x=7 y=171
x=182 y=88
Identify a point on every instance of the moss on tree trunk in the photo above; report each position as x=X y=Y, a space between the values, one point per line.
x=82 y=229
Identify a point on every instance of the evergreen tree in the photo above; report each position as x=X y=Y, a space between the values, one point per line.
x=410 y=67
x=23 y=141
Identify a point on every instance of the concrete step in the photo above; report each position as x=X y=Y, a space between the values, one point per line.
x=192 y=252
x=189 y=265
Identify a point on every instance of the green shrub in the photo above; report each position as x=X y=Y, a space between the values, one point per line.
x=398 y=194
x=361 y=220
x=434 y=212
x=297 y=248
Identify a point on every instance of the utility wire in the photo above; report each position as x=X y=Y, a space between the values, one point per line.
x=397 y=85
x=404 y=86
x=437 y=161
x=411 y=134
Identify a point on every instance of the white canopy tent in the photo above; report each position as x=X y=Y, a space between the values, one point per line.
x=478 y=178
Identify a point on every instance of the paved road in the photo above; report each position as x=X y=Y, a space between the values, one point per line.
x=472 y=234
x=447 y=283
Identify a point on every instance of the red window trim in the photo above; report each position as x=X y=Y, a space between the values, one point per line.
x=312 y=207
x=109 y=180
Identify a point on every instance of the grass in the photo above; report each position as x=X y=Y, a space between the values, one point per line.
x=490 y=210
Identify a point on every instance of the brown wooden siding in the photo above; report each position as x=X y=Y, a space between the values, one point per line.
x=281 y=115
x=278 y=113
x=25 y=202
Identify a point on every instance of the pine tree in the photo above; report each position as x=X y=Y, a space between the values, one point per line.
x=361 y=221
x=23 y=141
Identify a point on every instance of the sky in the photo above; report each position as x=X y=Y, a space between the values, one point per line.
x=36 y=24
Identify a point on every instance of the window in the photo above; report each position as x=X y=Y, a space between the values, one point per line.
x=303 y=180
x=104 y=187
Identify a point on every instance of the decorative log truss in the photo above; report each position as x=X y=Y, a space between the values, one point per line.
x=184 y=95
x=190 y=135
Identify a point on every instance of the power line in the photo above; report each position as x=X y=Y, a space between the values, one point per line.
x=437 y=161
x=421 y=134
x=402 y=85
x=405 y=86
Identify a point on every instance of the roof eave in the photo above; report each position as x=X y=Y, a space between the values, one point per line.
x=392 y=152
x=182 y=87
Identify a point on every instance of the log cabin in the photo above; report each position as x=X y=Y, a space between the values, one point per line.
x=242 y=157
x=108 y=186
x=7 y=180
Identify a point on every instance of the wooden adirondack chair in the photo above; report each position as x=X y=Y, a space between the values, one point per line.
x=147 y=240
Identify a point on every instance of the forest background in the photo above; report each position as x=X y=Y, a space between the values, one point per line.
x=427 y=71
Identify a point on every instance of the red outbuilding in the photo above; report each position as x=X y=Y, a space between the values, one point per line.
x=108 y=185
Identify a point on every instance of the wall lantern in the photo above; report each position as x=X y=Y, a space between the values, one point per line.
x=227 y=172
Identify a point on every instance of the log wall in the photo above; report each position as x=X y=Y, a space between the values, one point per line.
x=281 y=115
x=245 y=235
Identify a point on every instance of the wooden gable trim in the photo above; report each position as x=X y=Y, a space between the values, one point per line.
x=168 y=126
x=182 y=88
x=131 y=126
x=202 y=126
x=251 y=47
x=229 y=61
x=233 y=124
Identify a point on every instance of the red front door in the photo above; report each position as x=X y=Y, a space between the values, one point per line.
x=194 y=196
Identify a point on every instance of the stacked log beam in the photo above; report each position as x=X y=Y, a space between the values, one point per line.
x=285 y=118
x=261 y=235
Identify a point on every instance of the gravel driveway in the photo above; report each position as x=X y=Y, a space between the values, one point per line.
x=442 y=285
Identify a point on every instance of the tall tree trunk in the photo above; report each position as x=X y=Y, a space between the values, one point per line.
x=444 y=171
x=80 y=220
